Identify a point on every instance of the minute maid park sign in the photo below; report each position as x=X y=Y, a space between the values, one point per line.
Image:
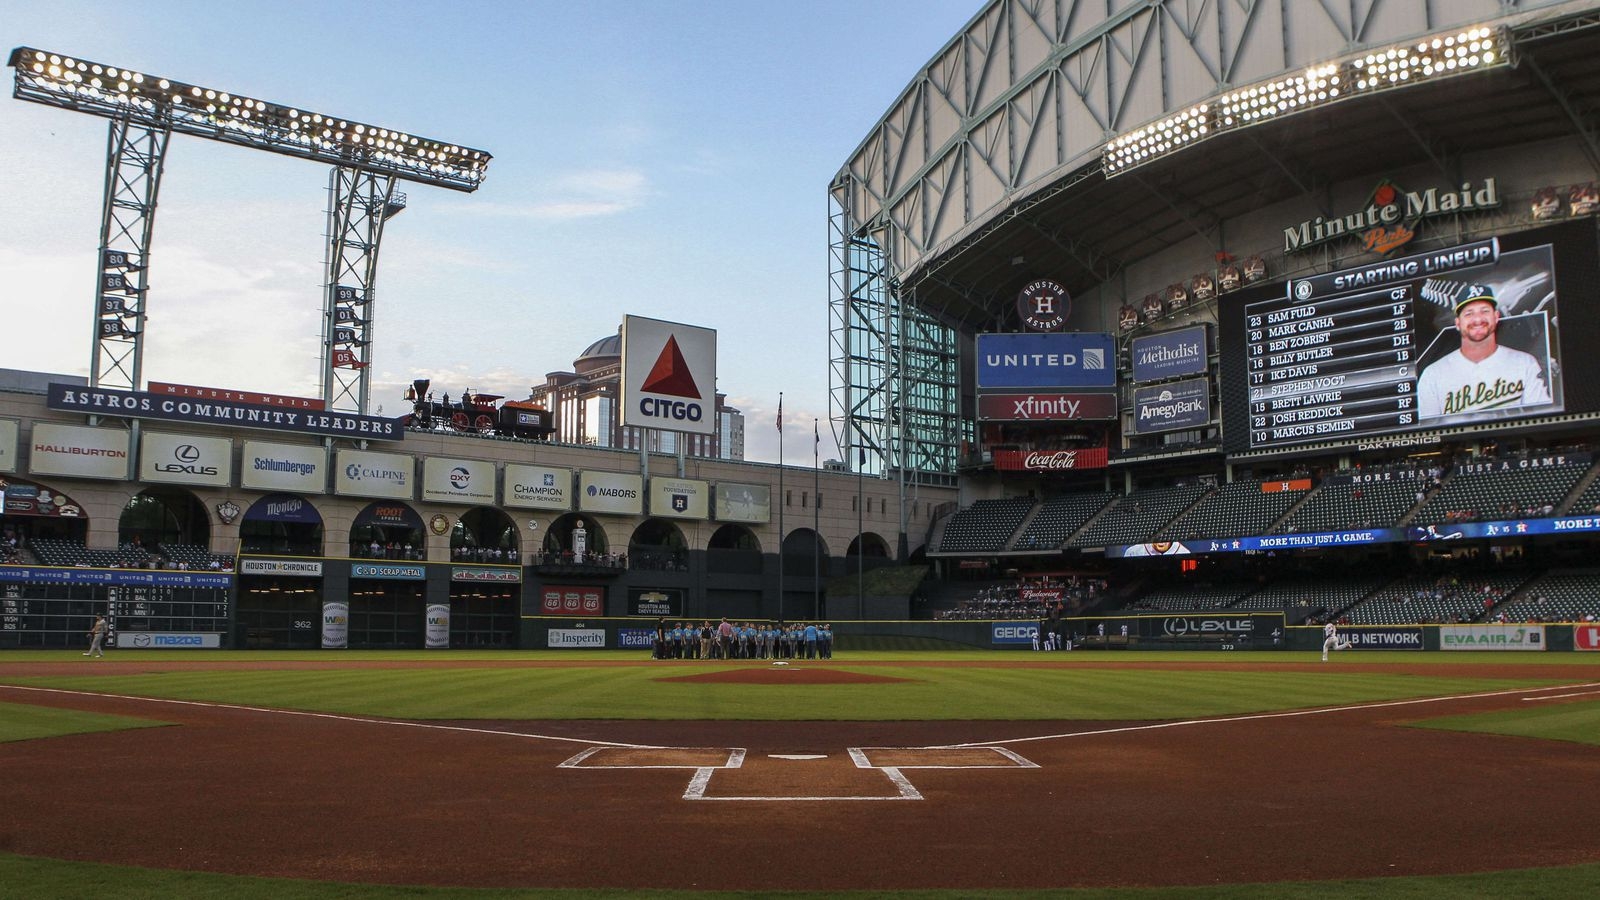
x=1388 y=221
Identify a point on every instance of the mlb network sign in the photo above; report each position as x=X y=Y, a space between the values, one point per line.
x=1068 y=359
x=669 y=376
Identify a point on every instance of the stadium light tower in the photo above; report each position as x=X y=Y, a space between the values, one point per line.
x=146 y=110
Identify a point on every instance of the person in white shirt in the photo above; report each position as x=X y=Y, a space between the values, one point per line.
x=1481 y=376
x=1332 y=641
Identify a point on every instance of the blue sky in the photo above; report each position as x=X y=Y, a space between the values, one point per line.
x=663 y=159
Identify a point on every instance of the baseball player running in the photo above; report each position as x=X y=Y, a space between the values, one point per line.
x=1332 y=641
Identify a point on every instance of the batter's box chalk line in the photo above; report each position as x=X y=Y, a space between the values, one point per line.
x=891 y=761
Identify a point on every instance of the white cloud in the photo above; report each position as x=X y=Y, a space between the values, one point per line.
x=586 y=194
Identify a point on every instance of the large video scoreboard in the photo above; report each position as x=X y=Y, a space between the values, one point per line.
x=1348 y=355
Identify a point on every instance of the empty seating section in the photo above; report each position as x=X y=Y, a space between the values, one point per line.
x=1332 y=595
x=195 y=557
x=1433 y=600
x=57 y=552
x=1564 y=597
x=1188 y=597
x=1343 y=506
x=1237 y=509
x=1588 y=500
x=1058 y=518
x=1507 y=493
x=1137 y=517
x=986 y=526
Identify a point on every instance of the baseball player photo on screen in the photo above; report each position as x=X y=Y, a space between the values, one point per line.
x=1493 y=352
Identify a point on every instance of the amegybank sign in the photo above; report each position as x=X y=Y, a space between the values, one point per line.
x=669 y=376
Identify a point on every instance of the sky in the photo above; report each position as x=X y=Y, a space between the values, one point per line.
x=653 y=158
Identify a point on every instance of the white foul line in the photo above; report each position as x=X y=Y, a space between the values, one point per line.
x=333 y=716
x=1260 y=716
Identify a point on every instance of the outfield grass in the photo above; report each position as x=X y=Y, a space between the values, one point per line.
x=1079 y=691
x=1576 y=722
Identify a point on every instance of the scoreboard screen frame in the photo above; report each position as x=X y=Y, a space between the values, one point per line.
x=1335 y=358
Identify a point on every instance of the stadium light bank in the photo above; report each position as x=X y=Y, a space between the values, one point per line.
x=1387 y=68
x=114 y=92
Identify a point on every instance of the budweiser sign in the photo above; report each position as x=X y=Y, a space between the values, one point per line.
x=1050 y=460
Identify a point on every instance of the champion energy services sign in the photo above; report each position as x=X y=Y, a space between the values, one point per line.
x=669 y=376
x=538 y=487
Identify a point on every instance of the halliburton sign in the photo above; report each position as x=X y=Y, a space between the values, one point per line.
x=1050 y=460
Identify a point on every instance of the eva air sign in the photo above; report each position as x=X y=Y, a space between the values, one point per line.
x=669 y=376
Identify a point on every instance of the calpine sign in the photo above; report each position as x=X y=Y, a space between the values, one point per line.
x=669 y=376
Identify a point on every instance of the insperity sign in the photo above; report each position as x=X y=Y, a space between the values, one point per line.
x=669 y=376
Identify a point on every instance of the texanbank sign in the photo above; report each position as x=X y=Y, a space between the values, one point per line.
x=1491 y=637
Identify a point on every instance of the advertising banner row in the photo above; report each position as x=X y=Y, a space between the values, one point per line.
x=77 y=451
x=1416 y=534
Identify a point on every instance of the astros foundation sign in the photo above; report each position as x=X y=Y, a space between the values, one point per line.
x=669 y=376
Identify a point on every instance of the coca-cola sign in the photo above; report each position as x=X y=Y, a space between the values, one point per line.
x=1050 y=460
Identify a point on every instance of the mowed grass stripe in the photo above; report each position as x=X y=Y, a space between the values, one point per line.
x=929 y=693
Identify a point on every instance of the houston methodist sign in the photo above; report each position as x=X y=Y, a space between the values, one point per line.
x=669 y=376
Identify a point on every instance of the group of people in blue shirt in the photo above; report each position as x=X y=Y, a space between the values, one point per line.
x=751 y=640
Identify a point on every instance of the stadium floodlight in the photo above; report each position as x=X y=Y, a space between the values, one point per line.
x=1388 y=68
x=113 y=92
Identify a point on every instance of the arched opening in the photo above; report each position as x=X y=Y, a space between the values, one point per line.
x=387 y=529
x=870 y=546
x=167 y=527
x=484 y=534
x=561 y=540
x=40 y=524
x=734 y=549
x=283 y=525
x=658 y=544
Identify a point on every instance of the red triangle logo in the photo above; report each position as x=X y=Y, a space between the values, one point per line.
x=670 y=375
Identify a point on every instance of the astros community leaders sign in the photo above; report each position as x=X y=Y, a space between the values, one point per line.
x=145 y=405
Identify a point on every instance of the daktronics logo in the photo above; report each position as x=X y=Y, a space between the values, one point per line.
x=187 y=455
x=671 y=376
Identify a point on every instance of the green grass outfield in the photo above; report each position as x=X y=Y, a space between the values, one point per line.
x=951 y=686
x=593 y=686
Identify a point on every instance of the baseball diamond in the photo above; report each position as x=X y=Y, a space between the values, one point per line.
x=240 y=788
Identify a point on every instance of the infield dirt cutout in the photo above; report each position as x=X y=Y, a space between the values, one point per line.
x=783 y=675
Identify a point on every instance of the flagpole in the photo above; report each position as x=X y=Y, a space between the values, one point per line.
x=781 y=503
x=861 y=538
x=816 y=521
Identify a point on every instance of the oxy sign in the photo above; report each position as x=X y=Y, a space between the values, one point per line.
x=669 y=376
x=458 y=480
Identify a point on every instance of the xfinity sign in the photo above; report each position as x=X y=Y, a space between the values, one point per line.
x=669 y=376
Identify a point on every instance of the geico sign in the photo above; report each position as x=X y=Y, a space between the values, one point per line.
x=1015 y=631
